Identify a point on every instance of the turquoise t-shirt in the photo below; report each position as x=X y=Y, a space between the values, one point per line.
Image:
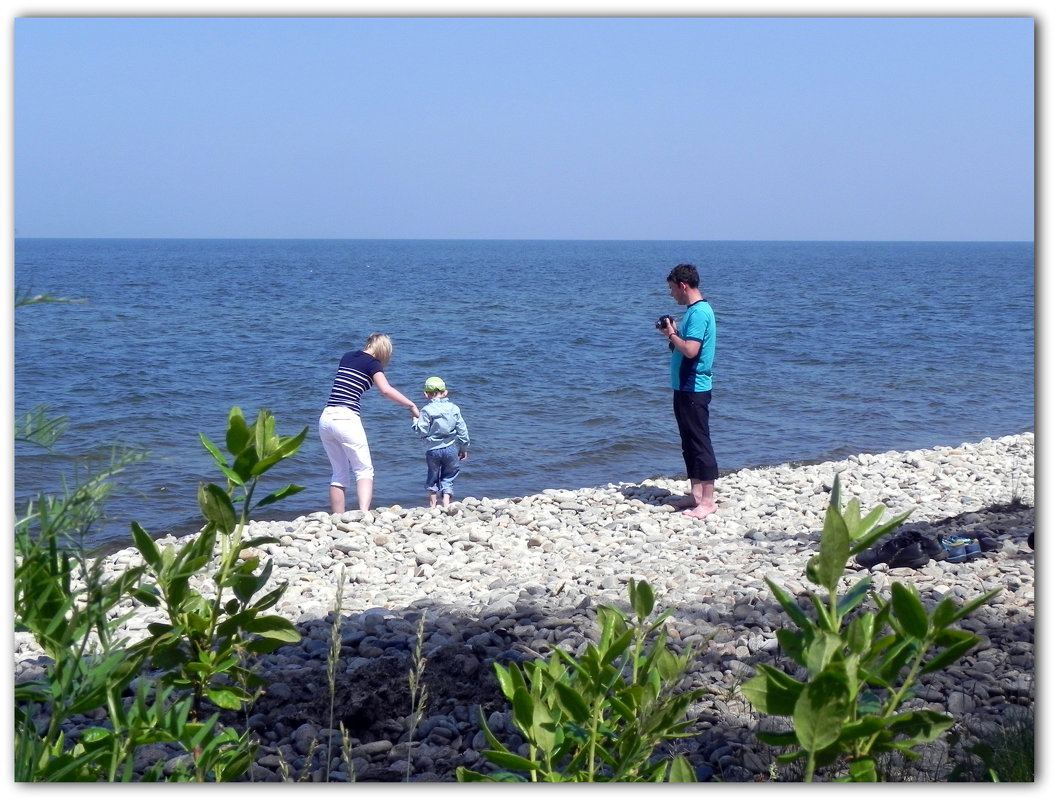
x=694 y=375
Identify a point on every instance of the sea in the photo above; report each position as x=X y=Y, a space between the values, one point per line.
x=824 y=349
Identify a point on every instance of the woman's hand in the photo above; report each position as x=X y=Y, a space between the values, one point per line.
x=414 y=411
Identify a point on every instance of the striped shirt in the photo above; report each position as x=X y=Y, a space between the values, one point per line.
x=355 y=375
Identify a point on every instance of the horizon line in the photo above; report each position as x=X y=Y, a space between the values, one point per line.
x=502 y=239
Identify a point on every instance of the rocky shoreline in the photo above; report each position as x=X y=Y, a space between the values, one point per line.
x=489 y=580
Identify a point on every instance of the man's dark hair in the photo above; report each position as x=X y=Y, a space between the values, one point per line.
x=684 y=274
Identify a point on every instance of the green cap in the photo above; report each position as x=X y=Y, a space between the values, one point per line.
x=435 y=384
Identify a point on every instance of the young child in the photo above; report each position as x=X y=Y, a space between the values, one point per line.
x=446 y=437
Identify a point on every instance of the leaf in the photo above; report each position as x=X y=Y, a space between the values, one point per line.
x=831 y=561
x=572 y=703
x=869 y=703
x=791 y=643
x=145 y=596
x=225 y=698
x=642 y=598
x=244 y=464
x=834 y=495
x=264 y=431
x=272 y=597
x=217 y=507
x=523 y=711
x=860 y=633
x=286 y=448
x=962 y=643
x=819 y=654
x=466 y=775
x=215 y=451
x=198 y=732
x=146 y=546
x=951 y=614
x=622 y=709
x=852 y=515
x=244 y=586
x=788 y=603
x=921 y=725
x=849 y=602
x=488 y=735
x=863 y=770
x=867 y=524
x=821 y=710
x=619 y=645
x=274 y=627
x=864 y=726
x=505 y=759
x=238 y=433
x=909 y=611
x=285 y=492
x=897 y=657
x=825 y=619
x=780 y=739
x=544 y=733
x=669 y=666
x=772 y=691
x=505 y=683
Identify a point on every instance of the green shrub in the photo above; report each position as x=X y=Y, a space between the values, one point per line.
x=203 y=646
x=600 y=717
x=64 y=600
x=860 y=666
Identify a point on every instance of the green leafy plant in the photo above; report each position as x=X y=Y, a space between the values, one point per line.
x=861 y=666
x=603 y=716
x=64 y=599
x=203 y=646
x=419 y=692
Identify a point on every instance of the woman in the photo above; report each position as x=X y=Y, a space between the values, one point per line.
x=340 y=425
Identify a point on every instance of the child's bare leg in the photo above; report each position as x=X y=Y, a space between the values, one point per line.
x=447 y=499
x=432 y=499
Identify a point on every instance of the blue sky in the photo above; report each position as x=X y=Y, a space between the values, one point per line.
x=570 y=128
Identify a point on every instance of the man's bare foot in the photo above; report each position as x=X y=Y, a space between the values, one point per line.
x=700 y=512
x=685 y=502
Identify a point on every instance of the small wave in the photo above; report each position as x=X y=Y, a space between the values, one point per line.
x=598 y=452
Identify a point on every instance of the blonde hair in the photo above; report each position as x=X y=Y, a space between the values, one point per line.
x=380 y=347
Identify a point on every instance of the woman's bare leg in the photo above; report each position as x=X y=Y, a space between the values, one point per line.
x=337 y=500
x=364 y=493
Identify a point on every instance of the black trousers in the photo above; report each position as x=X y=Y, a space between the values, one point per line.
x=691 y=414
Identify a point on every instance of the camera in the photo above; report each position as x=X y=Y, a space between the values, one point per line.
x=663 y=319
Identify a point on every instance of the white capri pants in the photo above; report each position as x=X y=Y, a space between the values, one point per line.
x=345 y=442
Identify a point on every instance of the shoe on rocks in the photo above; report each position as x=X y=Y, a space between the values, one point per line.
x=911 y=549
x=912 y=555
x=957 y=548
x=930 y=545
x=988 y=543
x=878 y=554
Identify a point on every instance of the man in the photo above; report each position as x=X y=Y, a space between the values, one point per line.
x=692 y=355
